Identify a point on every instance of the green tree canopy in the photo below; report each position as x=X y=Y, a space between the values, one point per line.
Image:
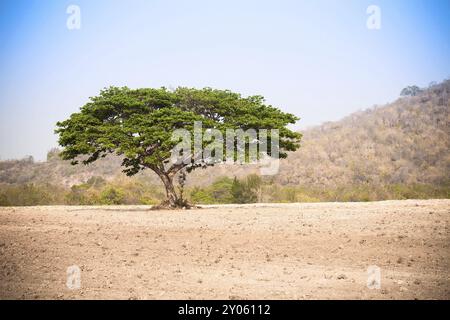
x=138 y=125
x=411 y=91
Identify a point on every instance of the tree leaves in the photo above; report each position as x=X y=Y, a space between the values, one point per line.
x=138 y=123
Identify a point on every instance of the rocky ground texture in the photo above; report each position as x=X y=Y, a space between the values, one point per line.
x=261 y=251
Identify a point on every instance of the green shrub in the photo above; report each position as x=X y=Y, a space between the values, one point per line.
x=97 y=191
x=4 y=200
x=112 y=195
x=30 y=195
x=199 y=195
x=246 y=191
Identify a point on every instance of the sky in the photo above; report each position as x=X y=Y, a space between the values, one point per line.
x=316 y=59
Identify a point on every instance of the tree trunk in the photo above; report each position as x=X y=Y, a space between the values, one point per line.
x=173 y=200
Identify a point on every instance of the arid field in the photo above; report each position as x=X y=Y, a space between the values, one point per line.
x=262 y=251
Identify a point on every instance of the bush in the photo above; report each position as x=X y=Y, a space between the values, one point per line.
x=199 y=195
x=112 y=195
x=29 y=195
x=246 y=191
x=219 y=192
x=4 y=200
x=97 y=191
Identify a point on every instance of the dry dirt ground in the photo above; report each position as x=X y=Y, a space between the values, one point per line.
x=264 y=251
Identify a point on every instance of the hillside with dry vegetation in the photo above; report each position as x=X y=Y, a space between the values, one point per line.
x=395 y=151
x=404 y=142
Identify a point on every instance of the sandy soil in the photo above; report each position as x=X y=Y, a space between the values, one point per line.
x=273 y=251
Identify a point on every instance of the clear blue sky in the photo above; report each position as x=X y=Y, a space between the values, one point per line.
x=316 y=59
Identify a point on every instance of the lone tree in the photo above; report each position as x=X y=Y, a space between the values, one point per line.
x=137 y=124
x=410 y=91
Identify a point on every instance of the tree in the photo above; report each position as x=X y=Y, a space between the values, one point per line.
x=246 y=191
x=137 y=124
x=411 y=91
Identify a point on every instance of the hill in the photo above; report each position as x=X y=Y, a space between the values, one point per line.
x=404 y=143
